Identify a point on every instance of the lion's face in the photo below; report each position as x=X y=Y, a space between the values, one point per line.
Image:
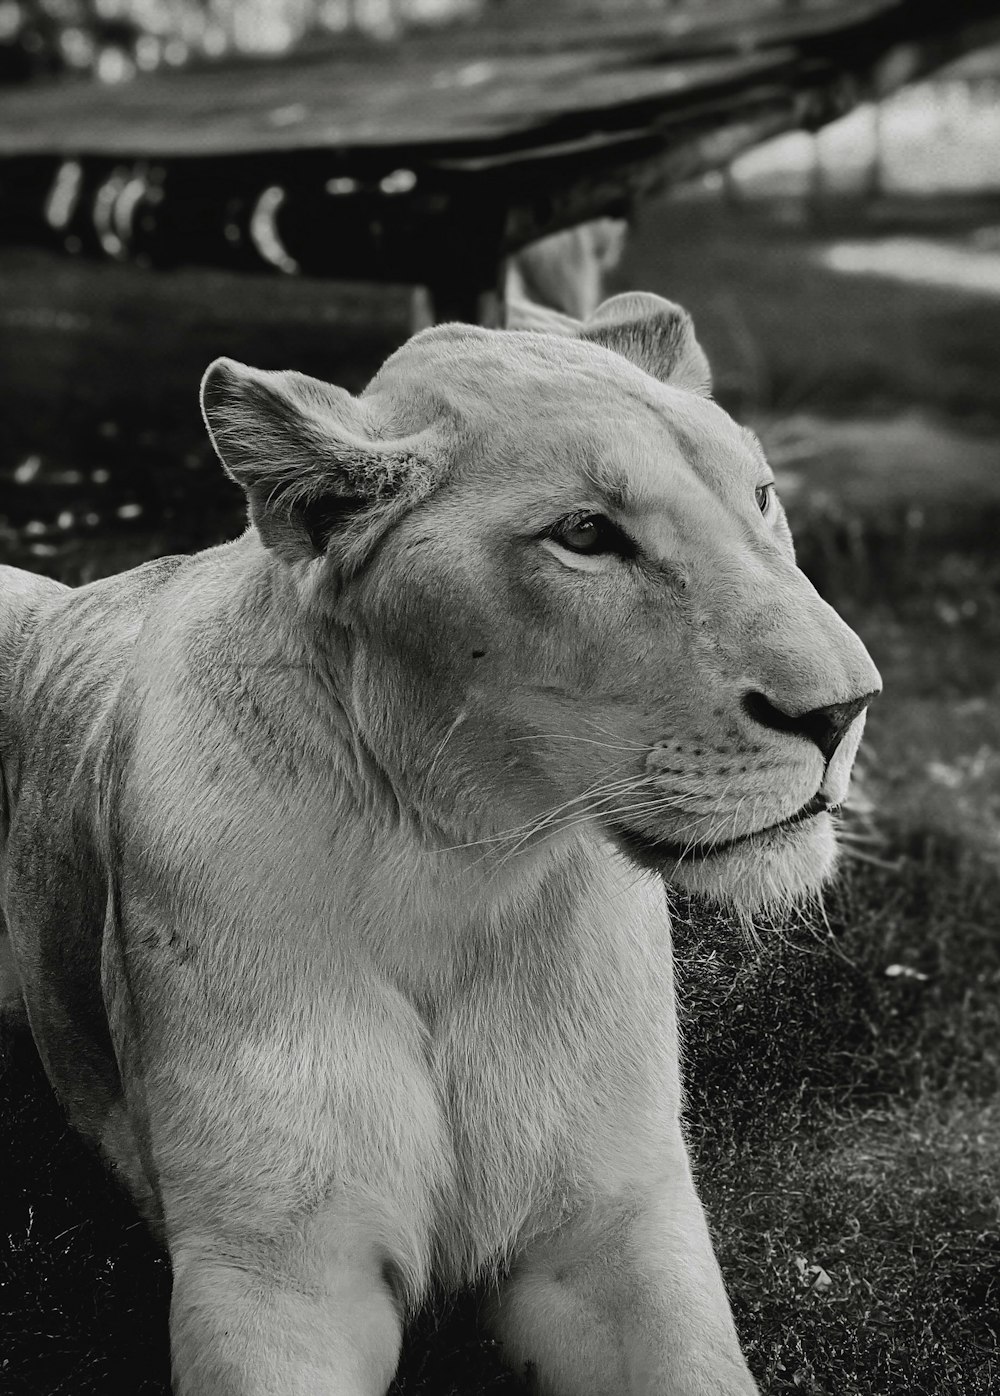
x=587 y=619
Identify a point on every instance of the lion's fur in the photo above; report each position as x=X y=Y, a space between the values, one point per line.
x=321 y=938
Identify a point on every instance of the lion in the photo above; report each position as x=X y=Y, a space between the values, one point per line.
x=336 y=858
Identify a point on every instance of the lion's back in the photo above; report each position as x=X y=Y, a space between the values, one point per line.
x=63 y=650
x=64 y=661
x=23 y=595
x=65 y=657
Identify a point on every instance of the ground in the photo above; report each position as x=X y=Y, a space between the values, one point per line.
x=843 y=1070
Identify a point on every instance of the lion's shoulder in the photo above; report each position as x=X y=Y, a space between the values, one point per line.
x=64 y=650
x=22 y=594
x=23 y=597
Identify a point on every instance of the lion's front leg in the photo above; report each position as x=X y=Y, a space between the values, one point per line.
x=293 y=1259
x=625 y=1300
x=305 y=1314
x=289 y=1278
x=294 y=1158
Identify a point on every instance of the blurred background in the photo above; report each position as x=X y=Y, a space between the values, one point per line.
x=845 y=280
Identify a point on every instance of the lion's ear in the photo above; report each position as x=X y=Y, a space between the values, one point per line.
x=304 y=454
x=655 y=335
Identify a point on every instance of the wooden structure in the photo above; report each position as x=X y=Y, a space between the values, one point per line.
x=433 y=160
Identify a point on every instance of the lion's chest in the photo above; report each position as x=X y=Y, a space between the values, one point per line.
x=553 y=1087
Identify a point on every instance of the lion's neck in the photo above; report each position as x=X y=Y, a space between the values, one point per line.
x=432 y=917
x=427 y=907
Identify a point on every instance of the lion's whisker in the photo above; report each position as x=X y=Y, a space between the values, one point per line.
x=507 y=834
x=578 y=817
x=575 y=737
x=459 y=719
x=659 y=804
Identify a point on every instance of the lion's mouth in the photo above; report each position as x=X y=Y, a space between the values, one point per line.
x=658 y=851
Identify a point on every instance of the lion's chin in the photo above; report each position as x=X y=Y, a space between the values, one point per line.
x=772 y=869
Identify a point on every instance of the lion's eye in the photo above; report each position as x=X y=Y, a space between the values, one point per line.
x=763 y=495
x=591 y=534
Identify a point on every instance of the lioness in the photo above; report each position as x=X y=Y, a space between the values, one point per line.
x=334 y=857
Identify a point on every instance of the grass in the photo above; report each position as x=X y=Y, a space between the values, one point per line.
x=843 y=1072
x=844 y=1080
x=851 y=1171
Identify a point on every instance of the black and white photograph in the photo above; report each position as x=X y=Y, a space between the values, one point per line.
x=500 y=697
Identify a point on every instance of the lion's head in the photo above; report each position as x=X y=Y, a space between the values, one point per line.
x=564 y=596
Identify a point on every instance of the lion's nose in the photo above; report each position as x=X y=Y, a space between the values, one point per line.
x=825 y=726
